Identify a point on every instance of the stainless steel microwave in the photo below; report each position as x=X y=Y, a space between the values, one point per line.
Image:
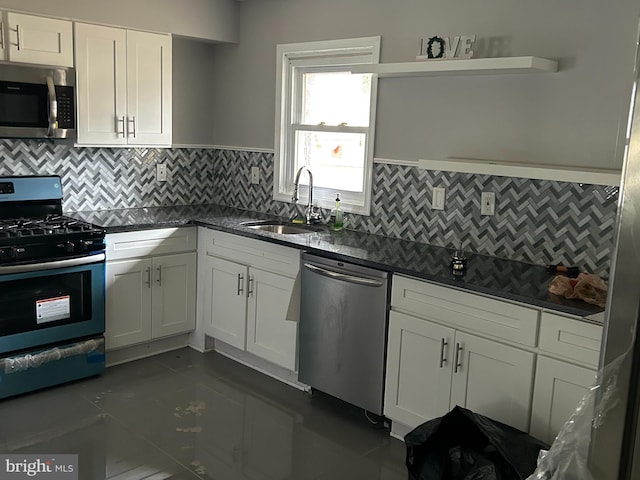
x=37 y=102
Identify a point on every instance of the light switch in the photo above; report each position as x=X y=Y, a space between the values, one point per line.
x=488 y=203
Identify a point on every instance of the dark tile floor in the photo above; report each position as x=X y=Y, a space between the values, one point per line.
x=189 y=415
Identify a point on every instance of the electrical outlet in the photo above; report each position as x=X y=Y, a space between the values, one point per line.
x=255 y=175
x=161 y=172
x=437 y=198
x=488 y=203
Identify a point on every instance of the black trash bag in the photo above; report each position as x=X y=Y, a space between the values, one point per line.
x=464 y=445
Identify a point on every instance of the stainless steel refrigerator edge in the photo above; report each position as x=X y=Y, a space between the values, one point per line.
x=343 y=328
x=614 y=444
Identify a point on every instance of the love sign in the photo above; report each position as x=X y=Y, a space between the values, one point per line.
x=443 y=47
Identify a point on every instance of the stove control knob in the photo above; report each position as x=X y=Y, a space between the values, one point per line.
x=68 y=246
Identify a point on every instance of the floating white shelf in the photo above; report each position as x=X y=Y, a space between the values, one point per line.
x=541 y=172
x=471 y=66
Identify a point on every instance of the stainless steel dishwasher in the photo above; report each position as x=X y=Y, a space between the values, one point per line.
x=342 y=331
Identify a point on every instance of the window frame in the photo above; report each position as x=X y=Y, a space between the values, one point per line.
x=293 y=60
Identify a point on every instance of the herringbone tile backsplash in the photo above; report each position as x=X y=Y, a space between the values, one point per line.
x=536 y=221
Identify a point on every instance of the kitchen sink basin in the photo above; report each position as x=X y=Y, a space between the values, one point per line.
x=283 y=228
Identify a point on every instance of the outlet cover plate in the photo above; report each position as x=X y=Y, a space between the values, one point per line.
x=437 y=198
x=161 y=172
x=255 y=175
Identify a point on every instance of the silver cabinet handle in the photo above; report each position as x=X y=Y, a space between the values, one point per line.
x=133 y=121
x=120 y=121
x=240 y=284
x=148 y=272
x=18 y=36
x=250 y=288
x=443 y=359
x=159 y=270
x=1 y=34
x=458 y=357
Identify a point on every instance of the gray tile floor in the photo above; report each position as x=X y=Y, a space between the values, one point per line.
x=186 y=415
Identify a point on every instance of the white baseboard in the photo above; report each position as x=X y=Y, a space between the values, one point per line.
x=143 y=350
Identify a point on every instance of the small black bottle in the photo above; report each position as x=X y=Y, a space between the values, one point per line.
x=458 y=263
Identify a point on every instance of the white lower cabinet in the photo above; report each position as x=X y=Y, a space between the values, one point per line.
x=149 y=296
x=418 y=381
x=128 y=302
x=225 y=301
x=523 y=366
x=559 y=388
x=431 y=368
x=246 y=297
x=562 y=382
x=493 y=379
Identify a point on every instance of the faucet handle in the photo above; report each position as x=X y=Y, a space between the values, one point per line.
x=313 y=215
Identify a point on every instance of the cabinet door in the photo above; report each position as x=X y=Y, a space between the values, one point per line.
x=101 y=62
x=128 y=302
x=174 y=294
x=418 y=380
x=148 y=89
x=270 y=334
x=559 y=387
x=492 y=379
x=225 y=301
x=45 y=41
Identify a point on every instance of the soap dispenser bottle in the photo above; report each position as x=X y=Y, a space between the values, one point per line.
x=336 y=215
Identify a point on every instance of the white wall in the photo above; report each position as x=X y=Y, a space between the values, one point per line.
x=192 y=92
x=574 y=117
x=213 y=20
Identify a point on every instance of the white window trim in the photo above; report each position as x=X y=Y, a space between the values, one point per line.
x=364 y=50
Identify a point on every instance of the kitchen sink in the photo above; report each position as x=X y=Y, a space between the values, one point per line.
x=283 y=228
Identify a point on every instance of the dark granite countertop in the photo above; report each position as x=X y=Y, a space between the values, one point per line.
x=489 y=275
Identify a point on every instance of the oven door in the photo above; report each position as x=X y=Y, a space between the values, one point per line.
x=47 y=303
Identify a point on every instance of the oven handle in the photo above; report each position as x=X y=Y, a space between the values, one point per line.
x=36 y=267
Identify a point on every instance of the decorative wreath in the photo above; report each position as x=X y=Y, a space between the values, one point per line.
x=432 y=40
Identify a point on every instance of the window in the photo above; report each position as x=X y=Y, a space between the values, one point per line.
x=325 y=120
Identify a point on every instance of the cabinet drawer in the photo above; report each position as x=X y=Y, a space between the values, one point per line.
x=143 y=243
x=570 y=338
x=248 y=251
x=467 y=311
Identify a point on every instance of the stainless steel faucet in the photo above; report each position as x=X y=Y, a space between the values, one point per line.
x=310 y=215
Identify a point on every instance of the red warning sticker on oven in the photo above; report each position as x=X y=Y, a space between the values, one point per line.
x=52 y=309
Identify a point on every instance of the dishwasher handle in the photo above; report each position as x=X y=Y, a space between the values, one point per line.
x=369 y=282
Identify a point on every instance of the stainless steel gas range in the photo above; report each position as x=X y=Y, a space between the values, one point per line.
x=52 y=283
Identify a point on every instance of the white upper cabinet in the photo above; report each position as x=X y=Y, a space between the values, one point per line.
x=124 y=86
x=33 y=39
x=101 y=61
x=148 y=88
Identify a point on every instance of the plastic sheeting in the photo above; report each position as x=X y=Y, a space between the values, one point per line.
x=568 y=456
x=24 y=362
